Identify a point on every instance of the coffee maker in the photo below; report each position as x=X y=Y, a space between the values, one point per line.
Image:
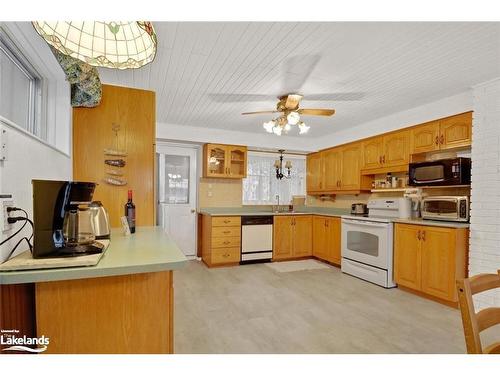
x=57 y=222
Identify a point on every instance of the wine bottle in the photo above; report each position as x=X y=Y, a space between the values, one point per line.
x=130 y=212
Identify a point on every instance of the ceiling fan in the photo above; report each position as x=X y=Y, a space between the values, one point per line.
x=290 y=114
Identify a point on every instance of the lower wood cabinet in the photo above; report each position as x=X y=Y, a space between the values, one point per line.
x=292 y=237
x=326 y=238
x=430 y=259
x=221 y=240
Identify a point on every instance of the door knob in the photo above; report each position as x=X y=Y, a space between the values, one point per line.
x=193 y=210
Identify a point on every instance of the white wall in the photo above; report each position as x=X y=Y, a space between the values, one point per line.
x=58 y=110
x=27 y=156
x=485 y=197
x=417 y=115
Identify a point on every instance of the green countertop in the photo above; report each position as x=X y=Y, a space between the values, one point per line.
x=433 y=223
x=150 y=249
x=250 y=211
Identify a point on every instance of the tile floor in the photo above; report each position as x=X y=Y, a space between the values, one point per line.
x=254 y=309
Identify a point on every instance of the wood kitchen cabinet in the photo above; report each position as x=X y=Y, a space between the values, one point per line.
x=332 y=164
x=430 y=259
x=292 y=237
x=221 y=240
x=336 y=171
x=315 y=172
x=326 y=238
x=447 y=133
x=224 y=161
x=386 y=151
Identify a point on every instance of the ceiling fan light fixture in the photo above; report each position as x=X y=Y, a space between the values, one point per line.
x=287 y=127
x=269 y=125
x=293 y=118
x=303 y=128
x=277 y=130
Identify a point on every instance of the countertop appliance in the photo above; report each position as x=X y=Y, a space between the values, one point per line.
x=367 y=242
x=446 y=208
x=359 y=209
x=443 y=172
x=256 y=239
x=59 y=229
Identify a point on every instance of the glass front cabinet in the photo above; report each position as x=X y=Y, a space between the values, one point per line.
x=224 y=161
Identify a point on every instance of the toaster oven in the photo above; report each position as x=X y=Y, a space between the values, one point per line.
x=447 y=208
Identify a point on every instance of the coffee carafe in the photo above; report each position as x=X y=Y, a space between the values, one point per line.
x=78 y=226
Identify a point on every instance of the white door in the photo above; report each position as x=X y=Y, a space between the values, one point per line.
x=177 y=186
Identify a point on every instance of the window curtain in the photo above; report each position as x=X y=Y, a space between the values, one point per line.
x=261 y=185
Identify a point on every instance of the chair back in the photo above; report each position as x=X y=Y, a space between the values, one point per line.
x=476 y=322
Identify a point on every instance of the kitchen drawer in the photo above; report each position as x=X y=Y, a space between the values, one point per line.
x=226 y=232
x=226 y=242
x=226 y=255
x=226 y=221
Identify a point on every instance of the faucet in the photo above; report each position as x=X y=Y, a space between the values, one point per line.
x=278 y=206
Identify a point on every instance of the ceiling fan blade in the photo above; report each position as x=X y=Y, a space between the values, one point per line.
x=258 y=112
x=296 y=71
x=316 y=112
x=236 y=98
x=292 y=101
x=337 y=96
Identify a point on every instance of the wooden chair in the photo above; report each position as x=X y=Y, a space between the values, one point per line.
x=473 y=322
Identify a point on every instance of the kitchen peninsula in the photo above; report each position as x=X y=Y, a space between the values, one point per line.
x=124 y=304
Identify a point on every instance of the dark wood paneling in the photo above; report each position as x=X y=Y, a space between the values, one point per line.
x=17 y=310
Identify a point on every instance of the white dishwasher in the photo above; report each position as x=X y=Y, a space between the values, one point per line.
x=256 y=239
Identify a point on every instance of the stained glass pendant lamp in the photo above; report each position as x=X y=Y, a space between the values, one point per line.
x=118 y=45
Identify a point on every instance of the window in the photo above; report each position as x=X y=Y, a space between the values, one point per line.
x=20 y=89
x=261 y=185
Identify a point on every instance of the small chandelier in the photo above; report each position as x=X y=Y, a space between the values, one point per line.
x=114 y=44
x=283 y=124
x=280 y=171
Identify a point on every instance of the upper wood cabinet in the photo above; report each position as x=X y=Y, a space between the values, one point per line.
x=351 y=176
x=314 y=171
x=292 y=237
x=224 y=161
x=326 y=238
x=386 y=151
x=336 y=171
x=455 y=131
x=444 y=134
x=332 y=172
x=430 y=259
x=425 y=138
x=396 y=148
x=373 y=149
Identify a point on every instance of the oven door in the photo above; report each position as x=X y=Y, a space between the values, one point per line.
x=367 y=242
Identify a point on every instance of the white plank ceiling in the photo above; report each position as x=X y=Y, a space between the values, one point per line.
x=206 y=74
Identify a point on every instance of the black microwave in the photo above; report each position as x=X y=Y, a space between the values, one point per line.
x=440 y=172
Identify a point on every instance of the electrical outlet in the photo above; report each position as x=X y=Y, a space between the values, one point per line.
x=6 y=200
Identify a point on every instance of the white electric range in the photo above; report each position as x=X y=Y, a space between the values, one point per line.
x=367 y=241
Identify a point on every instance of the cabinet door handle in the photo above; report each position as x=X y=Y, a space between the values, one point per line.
x=418 y=235
x=442 y=139
x=380 y=159
x=383 y=159
x=226 y=232
x=226 y=242
x=226 y=221
x=423 y=235
x=225 y=255
x=437 y=140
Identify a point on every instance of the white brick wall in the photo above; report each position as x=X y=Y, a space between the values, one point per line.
x=484 y=254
